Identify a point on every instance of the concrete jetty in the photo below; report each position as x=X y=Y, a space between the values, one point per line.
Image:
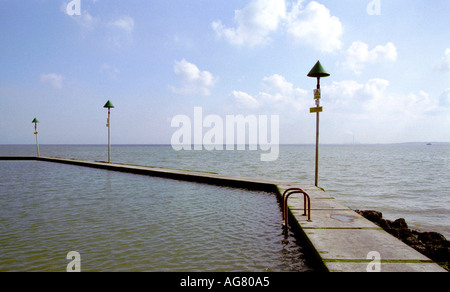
x=339 y=239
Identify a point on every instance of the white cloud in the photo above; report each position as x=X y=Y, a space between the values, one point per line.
x=277 y=93
x=117 y=31
x=376 y=114
x=358 y=54
x=245 y=100
x=444 y=99
x=444 y=65
x=53 y=79
x=277 y=83
x=120 y=31
x=124 y=23
x=350 y=96
x=253 y=23
x=315 y=26
x=111 y=70
x=343 y=95
x=375 y=100
x=85 y=20
x=369 y=111
x=193 y=79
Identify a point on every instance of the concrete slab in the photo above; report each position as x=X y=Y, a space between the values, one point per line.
x=343 y=239
x=384 y=267
x=296 y=202
x=334 y=219
x=356 y=244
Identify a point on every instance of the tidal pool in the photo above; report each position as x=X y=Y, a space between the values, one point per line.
x=125 y=222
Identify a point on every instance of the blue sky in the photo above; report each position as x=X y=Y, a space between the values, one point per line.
x=389 y=65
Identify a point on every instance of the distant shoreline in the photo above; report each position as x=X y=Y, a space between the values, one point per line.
x=287 y=144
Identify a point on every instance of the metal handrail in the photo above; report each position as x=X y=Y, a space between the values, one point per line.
x=306 y=203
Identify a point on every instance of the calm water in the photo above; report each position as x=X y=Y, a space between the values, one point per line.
x=409 y=181
x=126 y=222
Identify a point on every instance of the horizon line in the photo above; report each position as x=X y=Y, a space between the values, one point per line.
x=164 y=144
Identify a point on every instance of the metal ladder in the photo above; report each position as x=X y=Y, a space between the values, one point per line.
x=306 y=204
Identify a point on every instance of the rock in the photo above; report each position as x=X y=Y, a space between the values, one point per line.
x=408 y=237
x=411 y=240
x=394 y=232
x=385 y=224
x=432 y=237
x=420 y=248
x=371 y=215
x=399 y=223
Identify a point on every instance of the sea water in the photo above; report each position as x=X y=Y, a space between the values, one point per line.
x=126 y=222
x=411 y=181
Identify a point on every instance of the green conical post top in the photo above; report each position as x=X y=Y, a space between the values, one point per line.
x=35 y=121
x=318 y=71
x=109 y=105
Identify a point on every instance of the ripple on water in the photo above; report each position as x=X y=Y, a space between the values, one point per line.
x=124 y=222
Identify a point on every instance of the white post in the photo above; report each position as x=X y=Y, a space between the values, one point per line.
x=109 y=135
x=37 y=142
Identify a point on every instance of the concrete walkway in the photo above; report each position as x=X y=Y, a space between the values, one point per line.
x=346 y=241
x=341 y=239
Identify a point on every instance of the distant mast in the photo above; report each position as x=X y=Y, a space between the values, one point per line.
x=109 y=106
x=35 y=122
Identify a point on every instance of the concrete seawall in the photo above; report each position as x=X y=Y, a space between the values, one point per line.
x=339 y=239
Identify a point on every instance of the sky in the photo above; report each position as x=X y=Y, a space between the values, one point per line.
x=61 y=61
